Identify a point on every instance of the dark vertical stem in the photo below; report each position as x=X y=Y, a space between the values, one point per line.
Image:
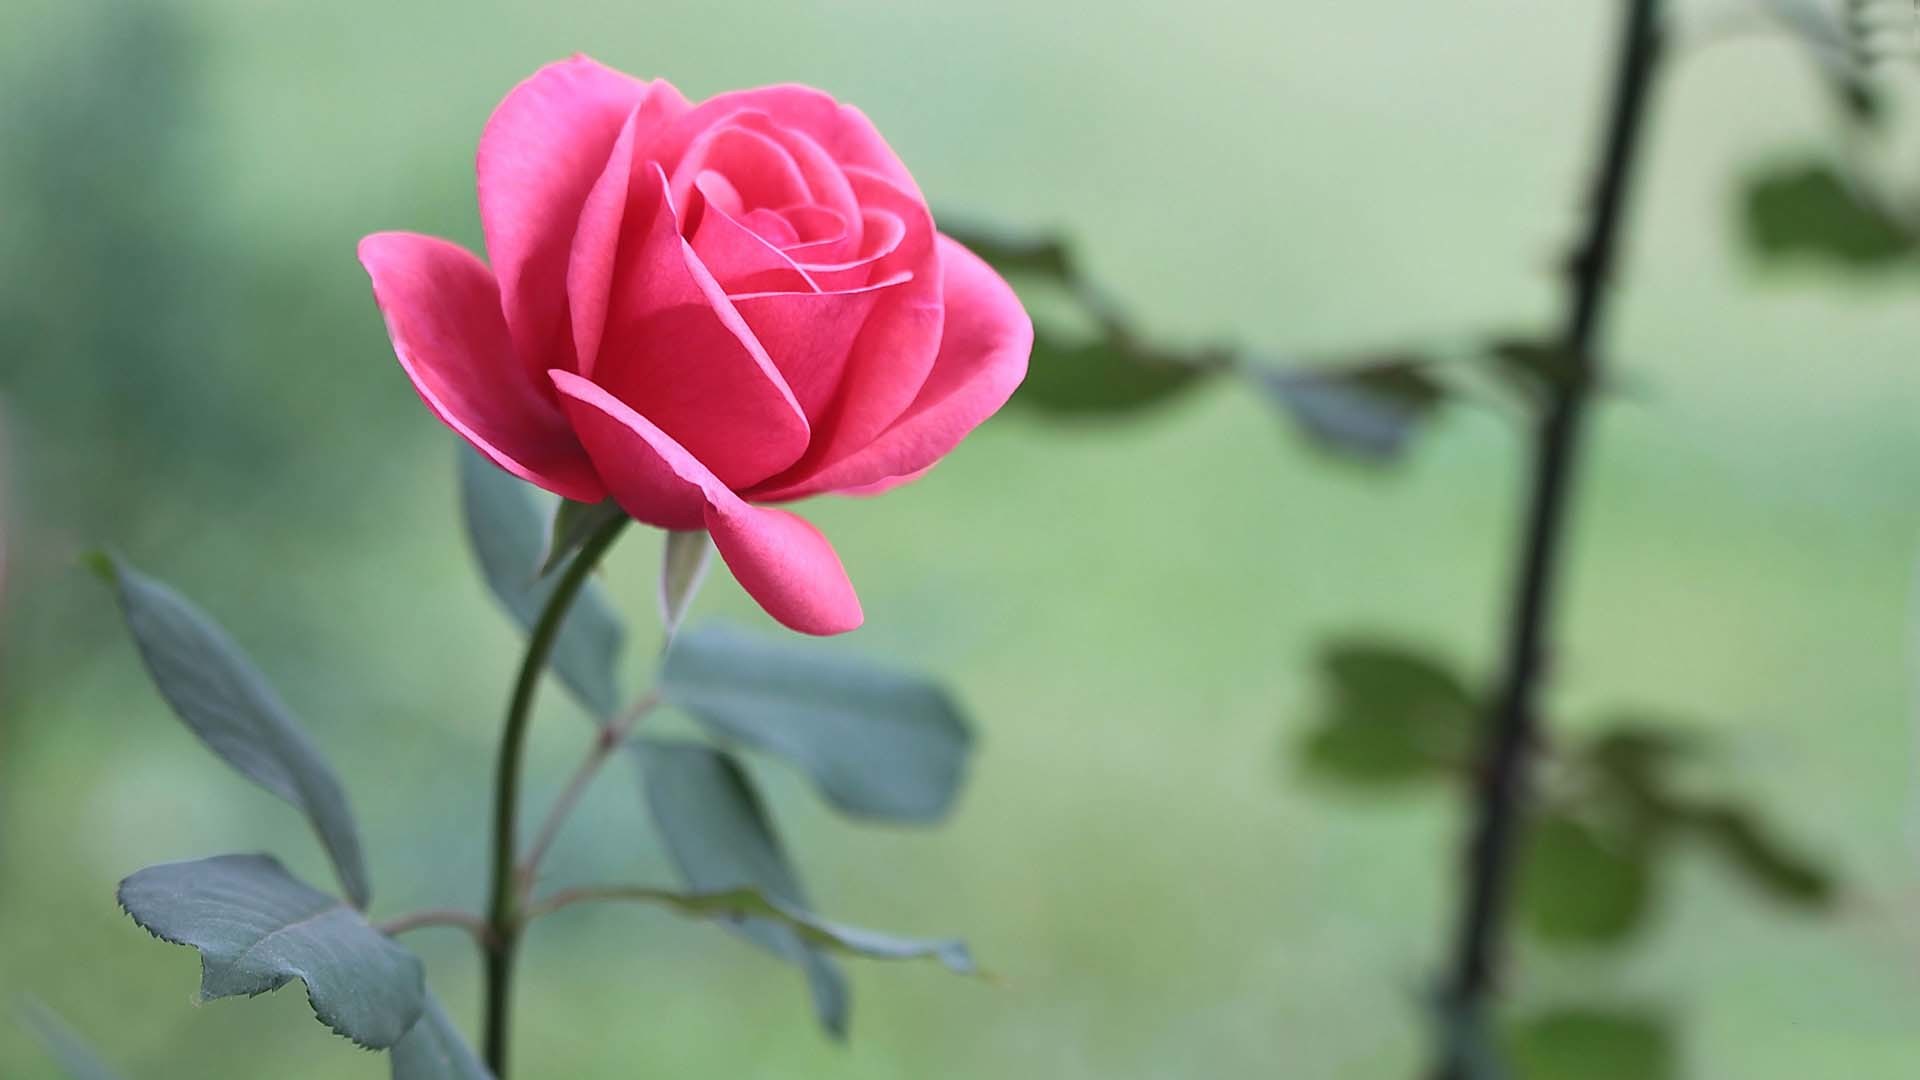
x=1511 y=730
x=503 y=922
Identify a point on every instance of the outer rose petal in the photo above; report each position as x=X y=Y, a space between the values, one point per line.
x=787 y=565
x=443 y=315
x=983 y=357
x=782 y=561
x=881 y=487
x=540 y=153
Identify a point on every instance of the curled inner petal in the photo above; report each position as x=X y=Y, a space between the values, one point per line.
x=982 y=358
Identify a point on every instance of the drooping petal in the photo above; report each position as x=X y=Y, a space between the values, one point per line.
x=983 y=356
x=443 y=314
x=672 y=345
x=782 y=561
x=786 y=565
x=539 y=156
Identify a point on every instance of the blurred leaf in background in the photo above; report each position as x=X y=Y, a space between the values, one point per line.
x=1582 y=883
x=1807 y=211
x=1392 y=716
x=1593 y=1044
x=1369 y=410
x=1615 y=807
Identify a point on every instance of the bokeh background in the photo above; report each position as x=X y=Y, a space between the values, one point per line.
x=191 y=370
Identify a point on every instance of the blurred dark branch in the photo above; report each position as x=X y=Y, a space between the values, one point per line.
x=1511 y=731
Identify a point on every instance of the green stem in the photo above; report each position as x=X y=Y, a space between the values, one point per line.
x=503 y=916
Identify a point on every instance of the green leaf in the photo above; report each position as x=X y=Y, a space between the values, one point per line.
x=1106 y=378
x=1367 y=411
x=878 y=743
x=719 y=836
x=508 y=537
x=435 y=1049
x=1393 y=716
x=1583 y=885
x=1593 y=1044
x=257 y=927
x=572 y=523
x=77 y=1059
x=1763 y=859
x=218 y=693
x=1807 y=211
x=683 y=566
x=1633 y=759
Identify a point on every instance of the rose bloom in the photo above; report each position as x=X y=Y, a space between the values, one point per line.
x=698 y=310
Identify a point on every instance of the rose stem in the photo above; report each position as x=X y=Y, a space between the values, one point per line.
x=1511 y=729
x=503 y=916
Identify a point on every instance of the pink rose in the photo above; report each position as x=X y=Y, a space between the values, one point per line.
x=701 y=309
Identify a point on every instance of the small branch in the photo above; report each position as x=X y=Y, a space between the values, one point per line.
x=419 y=920
x=609 y=739
x=587 y=894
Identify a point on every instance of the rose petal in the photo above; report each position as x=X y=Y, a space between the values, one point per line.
x=881 y=234
x=826 y=178
x=443 y=316
x=809 y=335
x=814 y=227
x=539 y=156
x=983 y=357
x=771 y=226
x=782 y=561
x=881 y=487
x=672 y=346
x=652 y=477
x=760 y=170
x=740 y=259
x=843 y=132
x=891 y=358
x=786 y=565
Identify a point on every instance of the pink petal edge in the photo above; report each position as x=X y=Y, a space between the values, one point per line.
x=983 y=357
x=541 y=151
x=781 y=560
x=442 y=309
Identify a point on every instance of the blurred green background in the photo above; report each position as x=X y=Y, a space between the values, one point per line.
x=191 y=369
